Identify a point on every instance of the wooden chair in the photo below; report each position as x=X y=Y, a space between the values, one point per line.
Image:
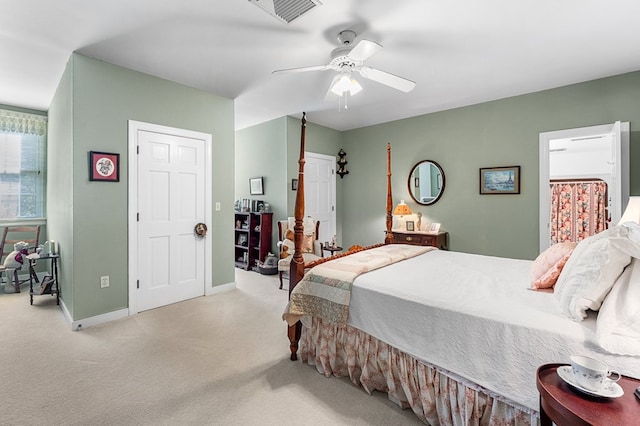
x=314 y=254
x=10 y=236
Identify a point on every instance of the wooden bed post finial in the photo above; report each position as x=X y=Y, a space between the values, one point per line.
x=388 y=237
x=297 y=264
x=296 y=268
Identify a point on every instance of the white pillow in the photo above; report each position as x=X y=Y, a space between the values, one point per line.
x=618 y=323
x=630 y=244
x=592 y=269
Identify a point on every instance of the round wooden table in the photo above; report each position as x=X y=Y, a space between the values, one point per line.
x=566 y=406
x=331 y=249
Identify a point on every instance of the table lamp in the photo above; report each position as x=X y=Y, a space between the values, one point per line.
x=402 y=209
x=632 y=212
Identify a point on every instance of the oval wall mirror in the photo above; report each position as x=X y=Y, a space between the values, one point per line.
x=426 y=182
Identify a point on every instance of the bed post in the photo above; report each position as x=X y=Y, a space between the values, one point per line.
x=296 y=270
x=388 y=237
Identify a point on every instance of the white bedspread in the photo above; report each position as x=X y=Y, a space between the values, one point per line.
x=475 y=316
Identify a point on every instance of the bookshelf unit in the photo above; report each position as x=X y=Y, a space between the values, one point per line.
x=252 y=238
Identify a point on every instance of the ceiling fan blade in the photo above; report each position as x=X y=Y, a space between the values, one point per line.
x=304 y=69
x=363 y=50
x=387 y=79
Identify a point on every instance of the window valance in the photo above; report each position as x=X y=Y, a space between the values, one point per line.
x=20 y=122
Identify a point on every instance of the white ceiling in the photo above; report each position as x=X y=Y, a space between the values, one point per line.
x=459 y=52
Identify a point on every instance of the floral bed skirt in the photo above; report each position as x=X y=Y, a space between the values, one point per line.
x=436 y=396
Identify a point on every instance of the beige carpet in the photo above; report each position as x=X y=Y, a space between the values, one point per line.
x=217 y=360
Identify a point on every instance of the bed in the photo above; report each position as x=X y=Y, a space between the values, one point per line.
x=462 y=344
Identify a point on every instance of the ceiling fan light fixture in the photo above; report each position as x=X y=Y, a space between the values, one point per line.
x=354 y=87
x=346 y=83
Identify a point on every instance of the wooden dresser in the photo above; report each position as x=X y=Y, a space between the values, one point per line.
x=438 y=240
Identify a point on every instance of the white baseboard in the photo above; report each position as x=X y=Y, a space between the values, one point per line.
x=123 y=313
x=98 y=319
x=219 y=288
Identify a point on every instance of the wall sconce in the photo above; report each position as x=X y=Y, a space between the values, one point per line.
x=342 y=164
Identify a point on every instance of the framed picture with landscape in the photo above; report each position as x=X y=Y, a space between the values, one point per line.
x=500 y=180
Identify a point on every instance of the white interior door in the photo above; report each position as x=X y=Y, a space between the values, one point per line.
x=170 y=260
x=320 y=192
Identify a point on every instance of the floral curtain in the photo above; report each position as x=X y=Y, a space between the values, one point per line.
x=578 y=210
x=19 y=122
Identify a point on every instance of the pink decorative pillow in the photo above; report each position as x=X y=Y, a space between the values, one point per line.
x=547 y=267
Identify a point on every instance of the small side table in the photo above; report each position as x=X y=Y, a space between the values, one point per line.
x=55 y=286
x=330 y=249
x=561 y=404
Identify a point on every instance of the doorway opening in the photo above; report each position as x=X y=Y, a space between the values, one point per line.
x=582 y=159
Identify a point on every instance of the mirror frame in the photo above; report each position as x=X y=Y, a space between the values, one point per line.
x=410 y=178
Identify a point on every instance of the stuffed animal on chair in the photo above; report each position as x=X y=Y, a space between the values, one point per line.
x=15 y=260
x=287 y=248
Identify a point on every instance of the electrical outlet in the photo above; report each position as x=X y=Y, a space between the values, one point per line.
x=218 y=206
x=104 y=281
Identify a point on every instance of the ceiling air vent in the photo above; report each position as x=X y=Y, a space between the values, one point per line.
x=286 y=10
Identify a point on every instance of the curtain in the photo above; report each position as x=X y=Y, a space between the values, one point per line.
x=18 y=122
x=578 y=210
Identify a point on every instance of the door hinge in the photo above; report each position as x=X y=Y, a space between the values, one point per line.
x=137 y=149
x=333 y=208
x=332 y=171
x=138 y=217
x=137 y=283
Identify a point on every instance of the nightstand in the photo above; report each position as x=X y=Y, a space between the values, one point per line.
x=435 y=239
x=330 y=249
x=564 y=406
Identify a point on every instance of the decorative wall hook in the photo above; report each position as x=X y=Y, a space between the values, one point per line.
x=342 y=163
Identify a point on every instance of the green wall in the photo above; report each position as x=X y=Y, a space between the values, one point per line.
x=90 y=111
x=261 y=151
x=272 y=150
x=499 y=133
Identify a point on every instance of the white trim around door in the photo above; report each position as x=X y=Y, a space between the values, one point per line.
x=135 y=130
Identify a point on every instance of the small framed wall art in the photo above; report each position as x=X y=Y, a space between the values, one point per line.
x=410 y=225
x=500 y=180
x=255 y=186
x=104 y=166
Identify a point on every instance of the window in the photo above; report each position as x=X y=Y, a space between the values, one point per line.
x=22 y=161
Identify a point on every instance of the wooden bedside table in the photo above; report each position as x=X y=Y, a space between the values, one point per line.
x=330 y=249
x=567 y=407
x=435 y=239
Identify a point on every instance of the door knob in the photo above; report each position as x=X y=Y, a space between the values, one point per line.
x=200 y=230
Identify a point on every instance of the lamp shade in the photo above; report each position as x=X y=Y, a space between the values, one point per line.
x=632 y=213
x=402 y=209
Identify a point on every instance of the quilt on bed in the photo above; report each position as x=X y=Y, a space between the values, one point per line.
x=475 y=315
x=325 y=291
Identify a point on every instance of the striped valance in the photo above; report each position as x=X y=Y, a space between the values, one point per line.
x=20 y=122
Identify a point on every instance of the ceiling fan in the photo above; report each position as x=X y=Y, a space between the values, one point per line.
x=347 y=60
